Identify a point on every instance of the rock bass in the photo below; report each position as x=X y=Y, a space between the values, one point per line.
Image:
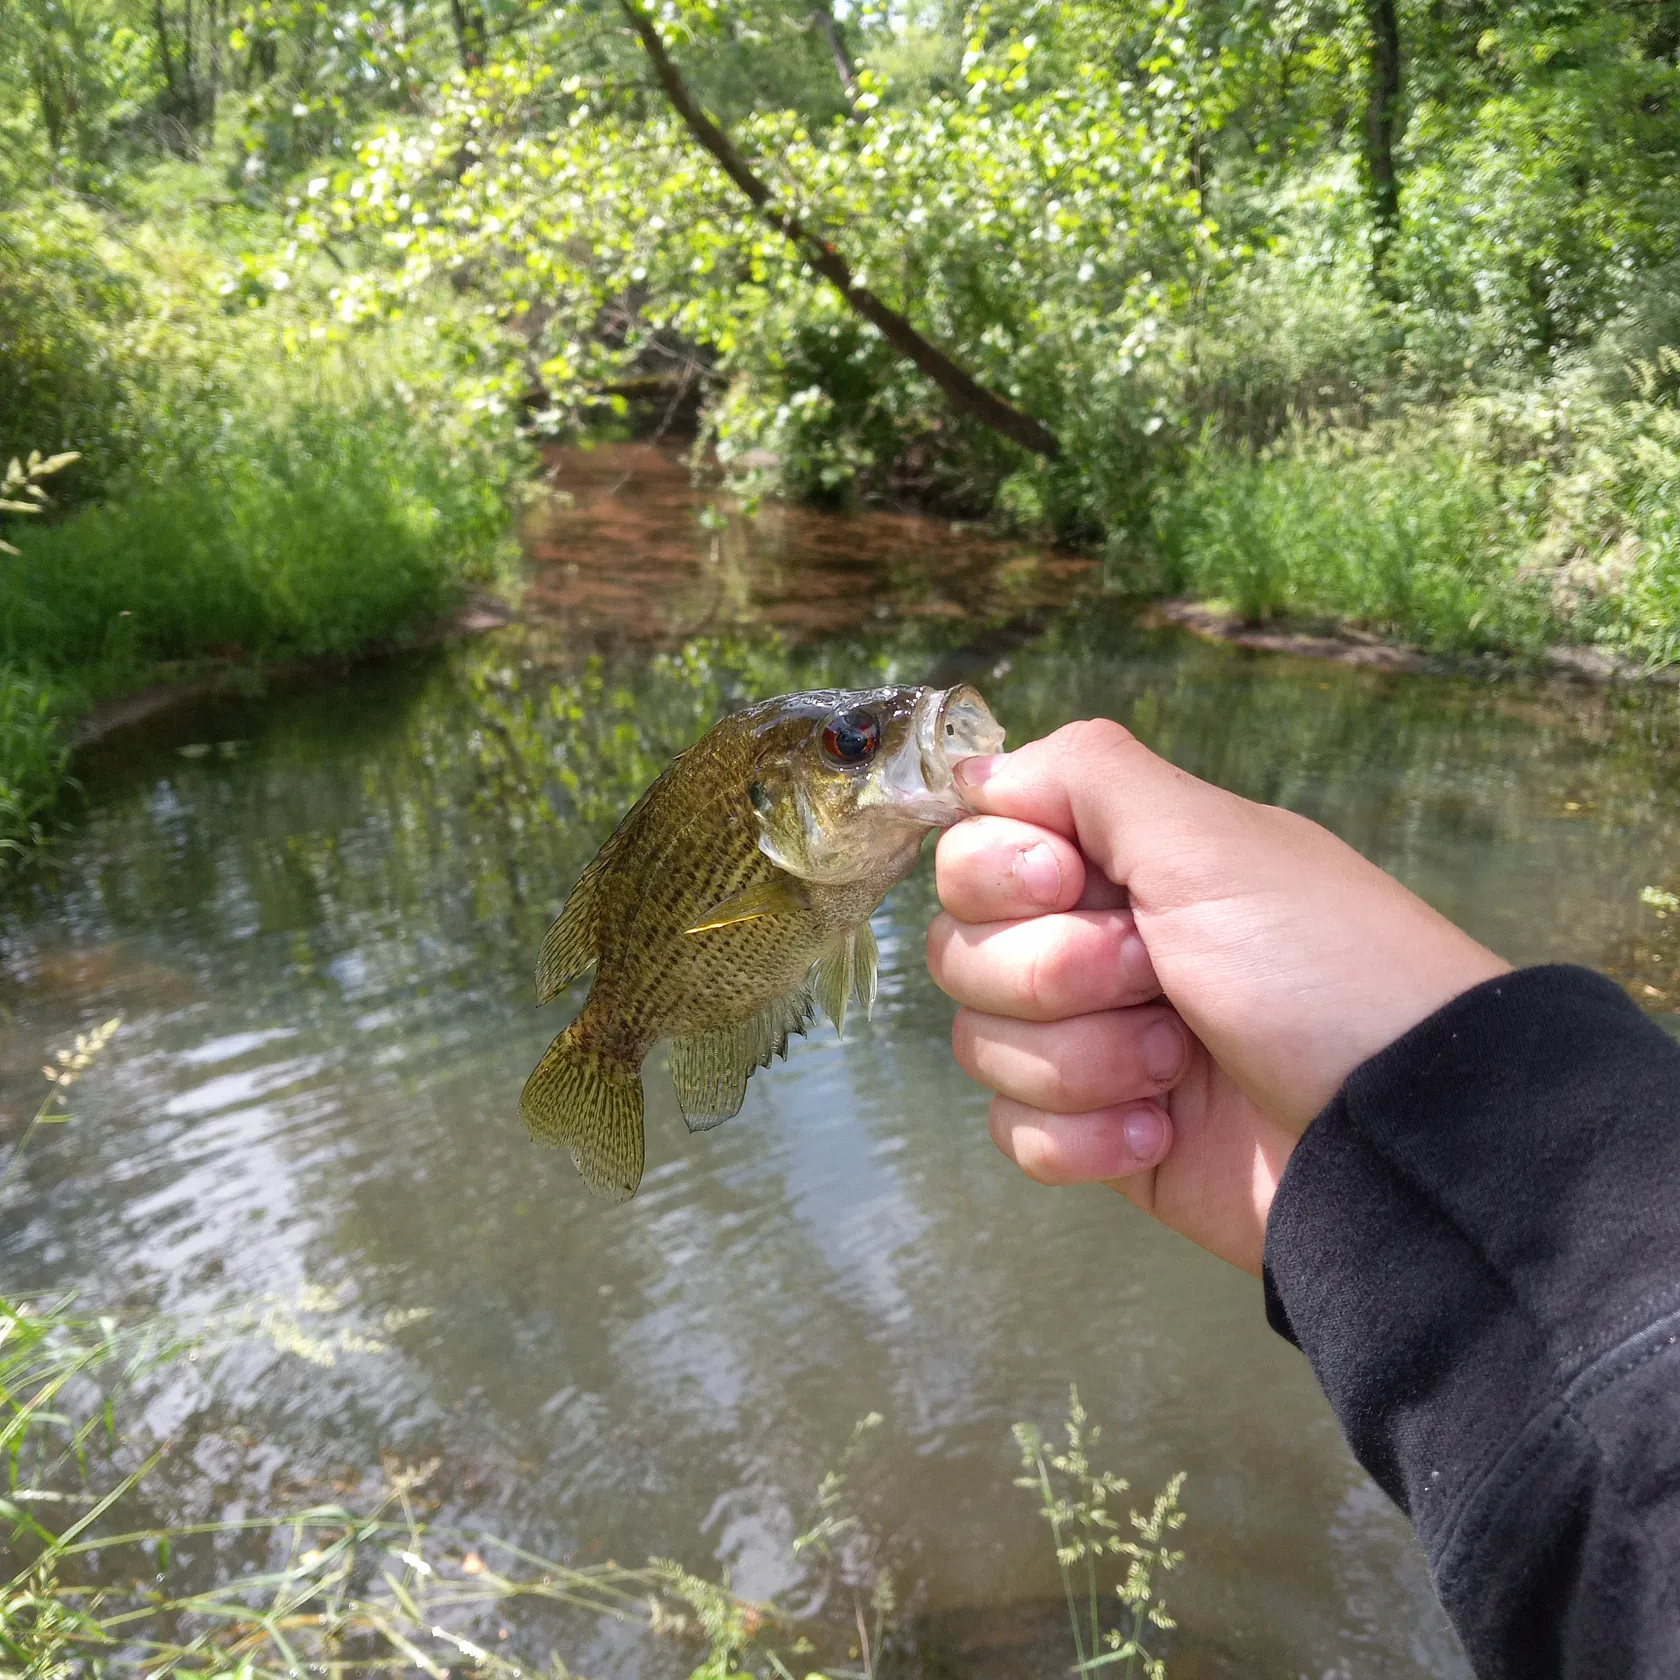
x=732 y=904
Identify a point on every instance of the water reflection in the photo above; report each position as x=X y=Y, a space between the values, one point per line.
x=322 y=942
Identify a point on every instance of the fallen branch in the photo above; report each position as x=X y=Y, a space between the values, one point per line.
x=965 y=392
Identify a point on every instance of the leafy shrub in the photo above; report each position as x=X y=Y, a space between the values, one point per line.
x=1540 y=191
x=65 y=380
x=1297 y=331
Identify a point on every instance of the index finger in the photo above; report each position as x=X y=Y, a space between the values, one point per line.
x=1095 y=785
x=994 y=869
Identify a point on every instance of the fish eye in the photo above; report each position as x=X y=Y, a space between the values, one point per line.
x=760 y=798
x=851 y=737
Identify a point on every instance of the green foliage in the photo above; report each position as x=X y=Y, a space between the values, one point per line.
x=1038 y=236
x=299 y=522
x=1073 y=1499
x=1150 y=224
x=75 y=76
x=244 y=483
x=63 y=385
x=1546 y=155
x=1501 y=522
x=1405 y=536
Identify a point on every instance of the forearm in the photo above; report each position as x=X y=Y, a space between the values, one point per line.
x=1477 y=1245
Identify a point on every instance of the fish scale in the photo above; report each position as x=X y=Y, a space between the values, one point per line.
x=733 y=901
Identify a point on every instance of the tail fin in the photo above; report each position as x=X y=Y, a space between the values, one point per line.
x=580 y=1100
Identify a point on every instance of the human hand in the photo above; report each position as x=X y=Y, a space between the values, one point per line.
x=1165 y=982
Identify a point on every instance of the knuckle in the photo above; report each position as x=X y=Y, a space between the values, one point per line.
x=1063 y=1088
x=1035 y=982
x=1093 y=736
x=962 y=1043
x=1050 y=977
x=1071 y=968
x=936 y=942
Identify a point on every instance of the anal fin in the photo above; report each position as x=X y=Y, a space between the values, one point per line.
x=710 y=1070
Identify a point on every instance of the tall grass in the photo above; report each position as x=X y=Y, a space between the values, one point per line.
x=34 y=759
x=1502 y=522
x=1414 y=541
x=249 y=484
x=1109 y=1620
x=299 y=520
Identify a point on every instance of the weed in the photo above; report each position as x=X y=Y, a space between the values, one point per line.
x=1073 y=1500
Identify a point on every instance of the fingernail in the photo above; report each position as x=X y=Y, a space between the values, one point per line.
x=1135 y=960
x=1039 y=873
x=1163 y=1052
x=1146 y=1133
x=975 y=772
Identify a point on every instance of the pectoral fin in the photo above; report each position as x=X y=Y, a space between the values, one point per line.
x=710 y=1070
x=844 y=971
x=781 y=895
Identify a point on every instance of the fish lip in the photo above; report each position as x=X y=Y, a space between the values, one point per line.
x=946 y=726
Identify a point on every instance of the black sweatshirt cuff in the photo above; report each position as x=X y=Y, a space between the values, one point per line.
x=1477 y=1246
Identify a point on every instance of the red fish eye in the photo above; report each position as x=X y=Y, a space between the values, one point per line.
x=851 y=737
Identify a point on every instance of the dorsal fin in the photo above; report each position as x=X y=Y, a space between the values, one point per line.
x=571 y=945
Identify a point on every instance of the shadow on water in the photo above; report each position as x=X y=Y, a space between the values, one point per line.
x=318 y=915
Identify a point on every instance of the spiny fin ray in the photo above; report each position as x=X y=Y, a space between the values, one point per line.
x=710 y=1069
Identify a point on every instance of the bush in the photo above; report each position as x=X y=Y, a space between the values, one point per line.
x=1297 y=330
x=66 y=379
x=247 y=485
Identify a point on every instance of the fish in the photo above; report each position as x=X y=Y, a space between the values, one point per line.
x=732 y=903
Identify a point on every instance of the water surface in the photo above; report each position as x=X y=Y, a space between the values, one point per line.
x=318 y=915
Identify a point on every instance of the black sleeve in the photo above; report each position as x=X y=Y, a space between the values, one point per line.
x=1477 y=1246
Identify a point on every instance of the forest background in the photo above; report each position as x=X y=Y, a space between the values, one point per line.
x=1352 y=310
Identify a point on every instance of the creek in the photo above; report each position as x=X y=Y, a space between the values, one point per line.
x=318 y=912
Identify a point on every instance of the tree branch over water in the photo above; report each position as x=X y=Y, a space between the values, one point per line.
x=965 y=392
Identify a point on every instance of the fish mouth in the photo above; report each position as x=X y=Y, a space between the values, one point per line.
x=953 y=724
x=946 y=726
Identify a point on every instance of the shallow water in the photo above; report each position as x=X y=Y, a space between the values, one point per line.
x=318 y=915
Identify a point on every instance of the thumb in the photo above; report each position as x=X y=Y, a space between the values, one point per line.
x=1098 y=785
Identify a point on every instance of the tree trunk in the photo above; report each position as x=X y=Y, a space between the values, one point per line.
x=192 y=112
x=213 y=54
x=964 y=391
x=844 y=68
x=166 y=55
x=471 y=33
x=1382 y=120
